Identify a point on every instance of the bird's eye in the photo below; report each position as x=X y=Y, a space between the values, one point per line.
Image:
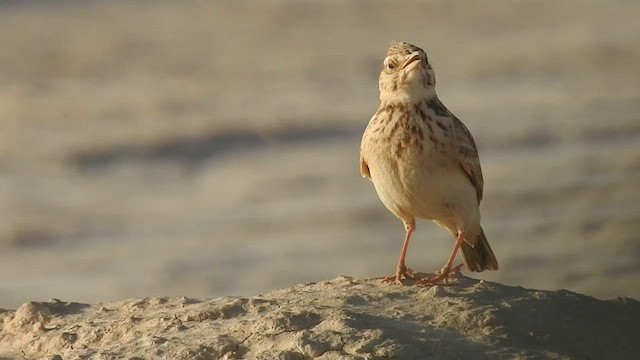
x=391 y=65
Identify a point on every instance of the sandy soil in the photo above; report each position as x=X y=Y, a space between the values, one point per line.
x=344 y=318
x=161 y=148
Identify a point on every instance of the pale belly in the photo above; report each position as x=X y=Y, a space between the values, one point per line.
x=436 y=191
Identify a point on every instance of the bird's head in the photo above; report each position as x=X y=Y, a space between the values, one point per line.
x=406 y=74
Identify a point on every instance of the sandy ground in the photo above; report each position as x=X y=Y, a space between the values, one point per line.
x=211 y=148
x=344 y=318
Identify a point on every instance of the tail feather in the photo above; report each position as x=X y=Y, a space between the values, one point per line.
x=479 y=257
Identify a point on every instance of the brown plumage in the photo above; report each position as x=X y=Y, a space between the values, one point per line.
x=423 y=161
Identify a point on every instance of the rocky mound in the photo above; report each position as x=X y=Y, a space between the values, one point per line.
x=344 y=318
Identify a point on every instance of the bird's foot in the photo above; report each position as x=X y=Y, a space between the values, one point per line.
x=442 y=275
x=402 y=273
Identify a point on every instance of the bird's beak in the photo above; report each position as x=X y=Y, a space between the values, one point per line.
x=412 y=62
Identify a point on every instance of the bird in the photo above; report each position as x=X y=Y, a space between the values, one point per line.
x=424 y=163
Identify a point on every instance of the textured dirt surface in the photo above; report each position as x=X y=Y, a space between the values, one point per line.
x=344 y=318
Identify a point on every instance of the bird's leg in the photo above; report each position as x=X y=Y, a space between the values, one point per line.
x=447 y=269
x=402 y=271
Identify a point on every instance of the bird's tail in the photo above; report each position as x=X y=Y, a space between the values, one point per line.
x=479 y=257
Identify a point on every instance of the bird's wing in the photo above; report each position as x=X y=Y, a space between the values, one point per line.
x=467 y=155
x=364 y=168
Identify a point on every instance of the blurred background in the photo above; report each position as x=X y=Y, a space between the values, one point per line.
x=161 y=148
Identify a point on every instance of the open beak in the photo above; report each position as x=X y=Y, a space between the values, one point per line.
x=412 y=62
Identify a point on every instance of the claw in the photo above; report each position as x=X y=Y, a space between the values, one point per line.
x=442 y=275
x=402 y=273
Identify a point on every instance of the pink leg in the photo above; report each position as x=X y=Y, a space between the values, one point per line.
x=447 y=269
x=402 y=272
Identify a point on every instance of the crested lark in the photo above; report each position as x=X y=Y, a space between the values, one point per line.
x=423 y=162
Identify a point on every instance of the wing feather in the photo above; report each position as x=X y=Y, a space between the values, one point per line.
x=364 y=168
x=467 y=155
